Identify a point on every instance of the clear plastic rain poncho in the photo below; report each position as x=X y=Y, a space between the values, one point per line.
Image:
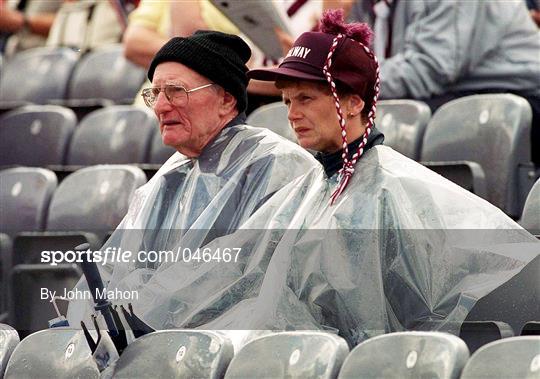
x=402 y=248
x=190 y=202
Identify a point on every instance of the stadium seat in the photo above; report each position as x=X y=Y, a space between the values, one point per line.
x=53 y=353
x=290 y=355
x=36 y=135
x=37 y=75
x=479 y=333
x=28 y=312
x=517 y=357
x=530 y=219
x=103 y=77
x=274 y=117
x=93 y=198
x=403 y=123
x=176 y=354
x=532 y=328
x=407 y=355
x=493 y=131
x=468 y=175
x=113 y=135
x=6 y=247
x=8 y=341
x=25 y=193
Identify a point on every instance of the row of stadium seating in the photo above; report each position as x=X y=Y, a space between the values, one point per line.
x=48 y=135
x=308 y=354
x=62 y=76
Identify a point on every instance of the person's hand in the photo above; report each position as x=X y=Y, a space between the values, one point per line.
x=285 y=40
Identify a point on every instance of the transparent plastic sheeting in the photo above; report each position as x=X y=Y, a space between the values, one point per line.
x=402 y=248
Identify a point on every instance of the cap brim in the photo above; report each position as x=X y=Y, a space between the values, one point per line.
x=273 y=74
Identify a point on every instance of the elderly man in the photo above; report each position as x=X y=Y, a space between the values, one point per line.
x=223 y=170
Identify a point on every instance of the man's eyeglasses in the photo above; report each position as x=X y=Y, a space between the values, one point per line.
x=176 y=94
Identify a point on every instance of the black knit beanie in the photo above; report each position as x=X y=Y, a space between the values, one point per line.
x=218 y=56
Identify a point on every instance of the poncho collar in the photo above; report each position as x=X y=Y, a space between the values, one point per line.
x=332 y=162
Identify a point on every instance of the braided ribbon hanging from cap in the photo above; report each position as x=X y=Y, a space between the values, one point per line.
x=346 y=172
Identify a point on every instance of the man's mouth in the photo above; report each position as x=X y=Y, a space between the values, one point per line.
x=166 y=123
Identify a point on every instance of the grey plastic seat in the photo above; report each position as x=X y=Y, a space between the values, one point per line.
x=314 y=355
x=493 y=131
x=113 y=135
x=516 y=357
x=25 y=194
x=530 y=218
x=479 y=333
x=94 y=198
x=274 y=117
x=37 y=75
x=466 y=174
x=403 y=123
x=36 y=135
x=176 y=354
x=104 y=73
x=8 y=341
x=407 y=355
x=52 y=353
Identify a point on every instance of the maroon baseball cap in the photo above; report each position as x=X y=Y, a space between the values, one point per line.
x=351 y=66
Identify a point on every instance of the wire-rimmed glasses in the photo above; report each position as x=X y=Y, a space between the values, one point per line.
x=176 y=94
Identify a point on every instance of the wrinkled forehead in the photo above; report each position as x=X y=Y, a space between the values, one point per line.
x=177 y=73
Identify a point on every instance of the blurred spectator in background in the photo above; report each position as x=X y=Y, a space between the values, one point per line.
x=25 y=24
x=534 y=10
x=437 y=51
x=152 y=24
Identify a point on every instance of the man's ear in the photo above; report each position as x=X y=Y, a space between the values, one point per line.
x=354 y=104
x=228 y=103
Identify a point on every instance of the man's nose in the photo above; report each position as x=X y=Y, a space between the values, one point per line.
x=162 y=104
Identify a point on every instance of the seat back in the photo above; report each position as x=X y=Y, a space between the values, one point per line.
x=274 y=117
x=466 y=174
x=403 y=123
x=117 y=134
x=105 y=74
x=53 y=353
x=159 y=152
x=290 y=355
x=407 y=355
x=176 y=354
x=94 y=198
x=516 y=357
x=8 y=341
x=37 y=75
x=479 y=333
x=36 y=135
x=530 y=219
x=25 y=194
x=29 y=310
x=493 y=131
